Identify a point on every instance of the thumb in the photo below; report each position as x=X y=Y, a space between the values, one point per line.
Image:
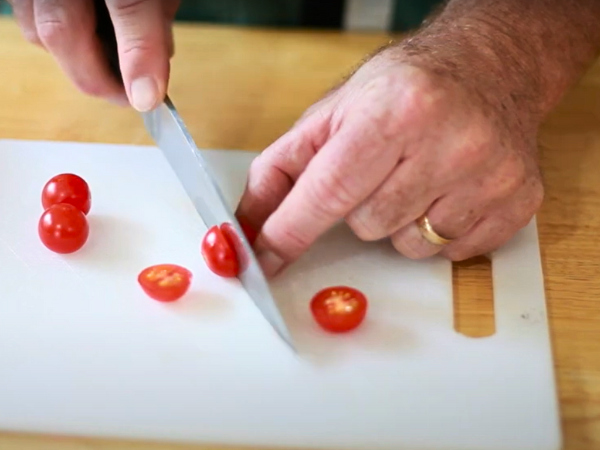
x=143 y=50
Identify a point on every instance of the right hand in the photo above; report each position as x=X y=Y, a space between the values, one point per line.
x=401 y=138
x=66 y=29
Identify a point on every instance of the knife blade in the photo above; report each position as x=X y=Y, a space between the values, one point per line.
x=171 y=136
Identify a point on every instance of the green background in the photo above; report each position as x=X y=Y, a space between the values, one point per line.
x=408 y=14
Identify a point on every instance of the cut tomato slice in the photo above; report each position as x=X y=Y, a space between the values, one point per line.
x=165 y=282
x=339 y=308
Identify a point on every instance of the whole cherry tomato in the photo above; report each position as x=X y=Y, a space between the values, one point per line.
x=67 y=188
x=63 y=228
x=339 y=308
x=165 y=282
x=219 y=253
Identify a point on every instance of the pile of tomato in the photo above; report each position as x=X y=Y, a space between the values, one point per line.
x=63 y=228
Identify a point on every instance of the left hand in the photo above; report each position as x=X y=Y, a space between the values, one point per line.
x=398 y=140
x=67 y=30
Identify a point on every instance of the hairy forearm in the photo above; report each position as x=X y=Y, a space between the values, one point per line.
x=522 y=54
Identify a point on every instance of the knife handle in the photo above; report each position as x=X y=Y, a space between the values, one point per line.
x=106 y=34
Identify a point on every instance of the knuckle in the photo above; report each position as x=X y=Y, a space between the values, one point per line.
x=508 y=179
x=464 y=160
x=400 y=101
x=458 y=225
x=475 y=147
x=527 y=207
x=510 y=182
x=130 y=26
x=255 y=165
x=522 y=220
x=537 y=195
x=262 y=182
x=389 y=209
x=136 y=45
x=365 y=229
x=410 y=252
x=420 y=94
x=287 y=242
x=411 y=247
x=329 y=194
x=473 y=151
x=52 y=31
x=127 y=7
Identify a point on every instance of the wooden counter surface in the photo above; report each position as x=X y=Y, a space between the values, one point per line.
x=241 y=89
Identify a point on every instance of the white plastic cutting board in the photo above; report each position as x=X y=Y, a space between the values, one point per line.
x=83 y=351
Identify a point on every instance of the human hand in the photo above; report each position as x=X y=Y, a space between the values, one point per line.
x=66 y=29
x=396 y=141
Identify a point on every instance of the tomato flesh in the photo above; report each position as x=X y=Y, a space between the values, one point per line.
x=63 y=228
x=219 y=253
x=67 y=188
x=339 y=309
x=165 y=282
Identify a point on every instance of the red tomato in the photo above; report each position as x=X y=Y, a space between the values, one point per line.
x=165 y=282
x=63 y=228
x=219 y=253
x=234 y=239
x=249 y=231
x=67 y=188
x=339 y=308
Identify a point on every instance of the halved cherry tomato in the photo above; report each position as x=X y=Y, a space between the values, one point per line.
x=67 y=188
x=339 y=308
x=63 y=228
x=232 y=236
x=165 y=282
x=219 y=253
x=249 y=231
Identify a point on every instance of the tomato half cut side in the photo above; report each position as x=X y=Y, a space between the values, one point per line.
x=67 y=188
x=339 y=309
x=219 y=253
x=165 y=282
x=63 y=228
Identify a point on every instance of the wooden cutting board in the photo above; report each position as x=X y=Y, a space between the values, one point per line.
x=83 y=351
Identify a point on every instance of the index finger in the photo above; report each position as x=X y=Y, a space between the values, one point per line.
x=66 y=30
x=341 y=175
x=274 y=172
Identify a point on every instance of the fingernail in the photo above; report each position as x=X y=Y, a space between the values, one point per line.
x=271 y=263
x=144 y=93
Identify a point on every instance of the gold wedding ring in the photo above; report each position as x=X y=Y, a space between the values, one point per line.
x=428 y=232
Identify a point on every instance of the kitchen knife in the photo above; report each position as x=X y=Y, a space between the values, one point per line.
x=170 y=134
